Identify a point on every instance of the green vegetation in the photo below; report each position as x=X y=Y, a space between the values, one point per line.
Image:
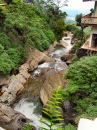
x=76 y=46
x=82 y=87
x=54 y=16
x=21 y=25
x=87 y=31
x=75 y=30
x=69 y=127
x=28 y=126
x=52 y=112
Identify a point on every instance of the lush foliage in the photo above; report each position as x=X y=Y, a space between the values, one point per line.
x=21 y=25
x=87 y=31
x=52 y=111
x=78 y=22
x=75 y=30
x=6 y=64
x=82 y=86
x=55 y=17
x=69 y=127
x=76 y=46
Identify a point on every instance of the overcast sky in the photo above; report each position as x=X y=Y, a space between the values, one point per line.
x=80 y=5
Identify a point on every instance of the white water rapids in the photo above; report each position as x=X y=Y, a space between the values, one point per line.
x=27 y=107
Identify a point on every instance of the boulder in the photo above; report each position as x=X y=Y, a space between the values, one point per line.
x=63 y=43
x=53 y=79
x=14 y=87
x=15 y=84
x=10 y=119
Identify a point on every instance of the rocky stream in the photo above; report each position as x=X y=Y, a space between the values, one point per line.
x=31 y=88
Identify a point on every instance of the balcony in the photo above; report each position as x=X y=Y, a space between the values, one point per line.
x=89 y=20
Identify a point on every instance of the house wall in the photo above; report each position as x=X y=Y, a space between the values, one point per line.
x=93 y=31
x=95 y=9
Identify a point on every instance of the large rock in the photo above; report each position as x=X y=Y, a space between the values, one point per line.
x=15 y=84
x=67 y=58
x=35 y=57
x=10 y=119
x=53 y=79
x=63 y=43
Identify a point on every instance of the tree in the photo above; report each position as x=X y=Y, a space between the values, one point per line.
x=59 y=27
x=57 y=4
x=53 y=14
x=78 y=23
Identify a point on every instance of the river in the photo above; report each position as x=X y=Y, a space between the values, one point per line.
x=29 y=103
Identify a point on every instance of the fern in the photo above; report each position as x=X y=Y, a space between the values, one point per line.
x=28 y=126
x=52 y=110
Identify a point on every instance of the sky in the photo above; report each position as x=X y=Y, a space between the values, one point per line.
x=80 y=5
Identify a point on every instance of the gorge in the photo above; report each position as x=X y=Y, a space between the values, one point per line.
x=49 y=74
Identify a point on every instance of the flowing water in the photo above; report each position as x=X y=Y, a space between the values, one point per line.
x=30 y=104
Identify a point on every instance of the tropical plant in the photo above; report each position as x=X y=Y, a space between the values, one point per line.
x=28 y=126
x=53 y=121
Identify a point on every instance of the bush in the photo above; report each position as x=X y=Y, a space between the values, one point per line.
x=50 y=35
x=76 y=46
x=70 y=127
x=81 y=89
x=1 y=48
x=14 y=55
x=75 y=30
x=6 y=64
x=74 y=59
x=4 y=40
x=83 y=71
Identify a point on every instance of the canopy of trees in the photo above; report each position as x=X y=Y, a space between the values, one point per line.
x=20 y=25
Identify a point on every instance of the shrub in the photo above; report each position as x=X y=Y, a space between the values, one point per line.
x=76 y=46
x=4 y=40
x=6 y=64
x=74 y=59
x=81 y=89
x=14 y=55
x=70 y=127
x=1 y=48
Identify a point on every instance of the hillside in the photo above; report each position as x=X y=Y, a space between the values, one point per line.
x=21 y=25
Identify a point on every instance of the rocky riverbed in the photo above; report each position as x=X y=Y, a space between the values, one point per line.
x=12 y=86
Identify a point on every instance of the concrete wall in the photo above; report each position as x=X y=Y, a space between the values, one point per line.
x=93 y=31
x=95 y=9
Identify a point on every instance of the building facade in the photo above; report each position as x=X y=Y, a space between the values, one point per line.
x=91 y=20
